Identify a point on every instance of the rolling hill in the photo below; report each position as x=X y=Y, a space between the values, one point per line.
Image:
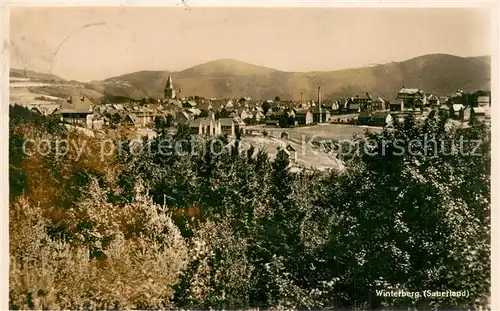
x=435 y=73
x=440 y=74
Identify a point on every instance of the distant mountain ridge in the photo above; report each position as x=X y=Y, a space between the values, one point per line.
x=434 y=73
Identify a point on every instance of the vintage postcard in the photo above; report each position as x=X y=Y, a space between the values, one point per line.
x=200 y=157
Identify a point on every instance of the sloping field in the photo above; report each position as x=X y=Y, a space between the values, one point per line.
x=318 y=132
x=307 y=155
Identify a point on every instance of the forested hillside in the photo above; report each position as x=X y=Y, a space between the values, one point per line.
x=139 y=229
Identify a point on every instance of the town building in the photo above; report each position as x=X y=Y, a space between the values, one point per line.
x=364 y=101
x=303 y=117
x=227 y=126
x=77 y=110
x=412 y=98
x=396 y=106
x=382 y=118
x=182 y=117
x=320 y=115
x=129 y=120
x=465 y=114
x=205 y=126
x=352 y=106
x=258 y=116
x=378 y=118
x=482 y=114
x=145 y=116
x=378 y=104
x=433 y=101
x=365 y=117
x=456 y=111
x=275 y=118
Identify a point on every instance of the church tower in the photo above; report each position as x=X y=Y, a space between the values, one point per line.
x=169 y=92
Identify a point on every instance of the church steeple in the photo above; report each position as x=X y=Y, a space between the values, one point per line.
x=169 y=91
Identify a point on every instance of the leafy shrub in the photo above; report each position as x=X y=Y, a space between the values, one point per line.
x=134 y=272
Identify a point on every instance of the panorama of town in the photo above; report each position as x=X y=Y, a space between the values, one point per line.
x=366 y=187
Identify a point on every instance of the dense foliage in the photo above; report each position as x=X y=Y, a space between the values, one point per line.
x=204 y=228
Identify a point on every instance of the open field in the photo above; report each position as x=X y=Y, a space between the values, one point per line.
x=317 y=132
x=307 y=155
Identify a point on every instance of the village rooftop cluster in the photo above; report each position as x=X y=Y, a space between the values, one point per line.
x=214 y=116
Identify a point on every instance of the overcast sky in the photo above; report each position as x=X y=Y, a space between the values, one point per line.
x=96 y=43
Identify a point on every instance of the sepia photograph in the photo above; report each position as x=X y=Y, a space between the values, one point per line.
x=265 y=158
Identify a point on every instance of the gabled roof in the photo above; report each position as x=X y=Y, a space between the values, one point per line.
x=74 y=104
x=130 y=117
x=245 y=114
x=226 y=121
x=46 y=109
x=49 y=109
